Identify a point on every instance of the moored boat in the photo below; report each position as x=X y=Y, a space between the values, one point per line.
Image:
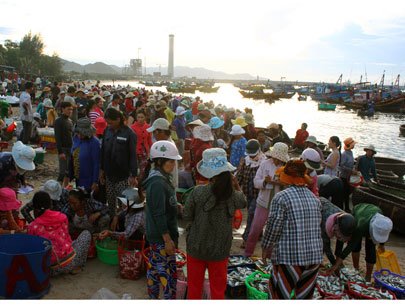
x=391 y=209
x=390 y=164
x=302 y=97
x=257 y=95
x=402 y=130
x=386 y=175
x=181 y=89
x=326 y=106
x=208 y=89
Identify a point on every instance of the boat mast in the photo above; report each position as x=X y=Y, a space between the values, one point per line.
x=396 y=84
x=339 y=81
x=382 y=81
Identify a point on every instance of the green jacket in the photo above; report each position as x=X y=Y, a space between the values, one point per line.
x=363 y=213
x=161 y=207
x=209 y=237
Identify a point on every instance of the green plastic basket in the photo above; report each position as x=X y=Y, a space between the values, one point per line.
x=253 y=293
x=107 y=251
x=39 y=157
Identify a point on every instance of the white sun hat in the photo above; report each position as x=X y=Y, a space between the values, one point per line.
x=380 y=228
x=214 y=162
x=237 y=130
x=279 y=151
x=130 y=198
x=53 y=188
x=164 y=149
x=180 y=110
x=312 y=159
x=23 y=156
x=161 y=124
x=203 y=133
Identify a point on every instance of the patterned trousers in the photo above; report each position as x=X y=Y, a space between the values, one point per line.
x=81 y=246
x=113 y=190
x=297 y=282
x=161 y=272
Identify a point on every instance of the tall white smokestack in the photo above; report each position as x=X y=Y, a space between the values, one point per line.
x=170 y=70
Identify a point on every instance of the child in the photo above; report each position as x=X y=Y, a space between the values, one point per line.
x=53 y=225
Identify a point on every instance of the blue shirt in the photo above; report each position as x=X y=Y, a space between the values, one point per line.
x=238 y=148
x=86 y=161
x=366 y=166
x=346 y=164
x=180 y=124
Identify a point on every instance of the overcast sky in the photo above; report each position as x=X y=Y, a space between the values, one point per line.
x=305 y=40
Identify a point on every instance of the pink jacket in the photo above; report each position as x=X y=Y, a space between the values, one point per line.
x=53 y=225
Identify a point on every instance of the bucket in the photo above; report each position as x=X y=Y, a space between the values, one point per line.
x=107 y=251
x=24 y=266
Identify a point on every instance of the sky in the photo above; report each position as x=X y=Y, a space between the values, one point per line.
x=309 y=40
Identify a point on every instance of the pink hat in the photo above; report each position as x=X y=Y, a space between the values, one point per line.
x=8 y=200
x=100 y=124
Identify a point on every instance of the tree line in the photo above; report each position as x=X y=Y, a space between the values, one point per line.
x=28 y=58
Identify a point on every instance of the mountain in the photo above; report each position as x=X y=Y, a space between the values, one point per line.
x=179 y=71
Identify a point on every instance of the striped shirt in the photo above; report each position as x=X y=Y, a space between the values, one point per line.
x=294 y=228
x=93 y=115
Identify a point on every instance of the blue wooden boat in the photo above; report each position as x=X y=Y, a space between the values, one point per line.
x=326 y=106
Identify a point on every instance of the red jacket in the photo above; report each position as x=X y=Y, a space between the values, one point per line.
x=143 y=138
x=300 y=137
x=53 y=225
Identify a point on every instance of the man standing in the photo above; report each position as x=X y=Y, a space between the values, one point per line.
x=63 y=137
x=70 y=98
x=26 y=112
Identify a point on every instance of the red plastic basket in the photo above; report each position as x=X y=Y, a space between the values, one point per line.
x=127 y=255
x=351 y=292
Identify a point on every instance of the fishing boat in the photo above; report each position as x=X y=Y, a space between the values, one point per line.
x=181 y=89
x=390 y=164
x=402 y=130
x=259 y=95
x=326 y=106
x=302 y=97
x=389 y=192
x=386 y=175
x=392 y=105
x=392 y=209
x=367 y=113
x=208 y=89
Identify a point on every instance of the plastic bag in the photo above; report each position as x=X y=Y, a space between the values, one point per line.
x=237 y=219
x=104 y=294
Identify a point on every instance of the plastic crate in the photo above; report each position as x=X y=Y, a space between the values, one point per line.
x=387 y=260
x=400 y=293
x=238 y=292
x=251 y=292
x=50 y=139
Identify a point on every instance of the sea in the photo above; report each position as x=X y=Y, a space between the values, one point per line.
x=381 y=130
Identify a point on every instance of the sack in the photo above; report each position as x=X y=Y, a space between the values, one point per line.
x=130 y=258
x=237 y=219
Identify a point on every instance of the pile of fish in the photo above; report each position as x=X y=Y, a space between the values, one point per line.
x=371 y=292
x=391 y=280
x=260 y=283
x=238 y=276
x=265 y=268
x=316 y=295
x=330 y=284
x=351 y=275
x=237 y=260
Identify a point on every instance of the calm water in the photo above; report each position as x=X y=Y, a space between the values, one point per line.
x=382 y=130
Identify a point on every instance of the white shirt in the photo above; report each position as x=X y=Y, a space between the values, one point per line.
x=25 y=98
x=266 y=168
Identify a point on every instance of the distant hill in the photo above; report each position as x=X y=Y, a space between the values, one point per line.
x=179 y=71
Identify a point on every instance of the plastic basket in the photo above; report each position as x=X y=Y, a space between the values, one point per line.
x=130 y=258
x=251 y=292
x=351 y=292
x=107 y=251
x=387 y=260
x=49 y=139
x=400 y=293
x=238 y=292
x=3 y=145
x=39 y=157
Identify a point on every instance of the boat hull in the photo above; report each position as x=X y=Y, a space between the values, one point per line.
x=326 y=107
x=394 y=210
x=389 y=164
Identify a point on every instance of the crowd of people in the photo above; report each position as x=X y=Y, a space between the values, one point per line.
x=128 y=150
